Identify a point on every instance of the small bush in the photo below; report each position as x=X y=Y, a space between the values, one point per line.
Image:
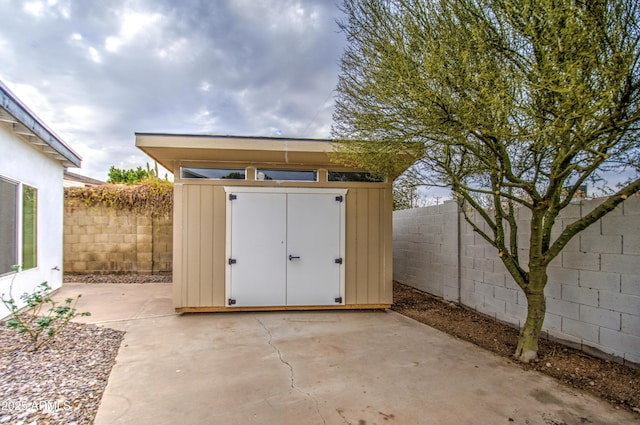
x=30 y=321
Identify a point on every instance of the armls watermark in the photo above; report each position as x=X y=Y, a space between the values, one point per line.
x=34 y=405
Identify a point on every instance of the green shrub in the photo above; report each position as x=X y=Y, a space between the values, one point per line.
x=39 y=325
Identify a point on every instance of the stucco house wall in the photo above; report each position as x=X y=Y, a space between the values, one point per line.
x=41 y=166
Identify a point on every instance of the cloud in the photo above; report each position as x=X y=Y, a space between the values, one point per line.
x=52 y=8
x=37 y=100
x=35 y=8
x=100 y=71
x=95 y=55
x=133 y=24
x=279 y=17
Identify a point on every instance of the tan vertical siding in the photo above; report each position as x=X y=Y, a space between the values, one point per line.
x=373 y=247
x=206 y=246
x=199 y=267
x=362 y=259
x=193 y=228
x=211 y=240
x=368 y=246
x=178 y=248
x=386 y=247
x=351 y=247
x=219 y=236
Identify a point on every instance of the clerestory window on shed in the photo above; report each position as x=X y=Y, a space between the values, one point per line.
x=353 y=176
x=212 y=173
x=289 y=175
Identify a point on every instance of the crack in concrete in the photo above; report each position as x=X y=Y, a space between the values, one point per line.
x=291 y=372
x=340 y=413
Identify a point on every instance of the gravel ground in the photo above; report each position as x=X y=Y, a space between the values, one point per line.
x=117 y=278
x=63 y=382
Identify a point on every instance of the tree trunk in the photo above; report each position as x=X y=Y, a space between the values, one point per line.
x=527 y=349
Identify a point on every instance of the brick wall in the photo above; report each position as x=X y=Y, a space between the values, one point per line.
x=593 y=292
x=102 y=240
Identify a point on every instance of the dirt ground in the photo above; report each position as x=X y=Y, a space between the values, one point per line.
x=619 y=385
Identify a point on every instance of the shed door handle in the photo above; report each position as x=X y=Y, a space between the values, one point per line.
x=291 y=257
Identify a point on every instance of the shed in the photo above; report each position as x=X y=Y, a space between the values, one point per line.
x=264 y=223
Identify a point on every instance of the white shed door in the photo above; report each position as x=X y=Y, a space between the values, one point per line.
x=258 y=248
x=284 y=248
x=313 y=234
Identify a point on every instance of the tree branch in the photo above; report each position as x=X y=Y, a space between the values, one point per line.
x=600 y=211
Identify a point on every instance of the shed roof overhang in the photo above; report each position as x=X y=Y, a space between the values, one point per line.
x=168 y=148
x=27 y=125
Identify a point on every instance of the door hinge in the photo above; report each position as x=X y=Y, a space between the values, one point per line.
x=339 y=198
x=338 y=300
x=232 y=261
x=232 y=196
x=232 y=301
x=338 y=260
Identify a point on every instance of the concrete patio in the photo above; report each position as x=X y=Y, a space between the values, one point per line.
x=361 y=367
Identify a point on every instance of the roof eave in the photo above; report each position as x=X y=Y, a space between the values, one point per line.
x=27 y=124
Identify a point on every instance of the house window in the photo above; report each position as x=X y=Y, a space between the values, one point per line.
x=18 y=226
x=212 y=173
x=353 y=176
x=291 y=175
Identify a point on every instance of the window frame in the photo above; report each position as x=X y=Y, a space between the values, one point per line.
x=20 y=226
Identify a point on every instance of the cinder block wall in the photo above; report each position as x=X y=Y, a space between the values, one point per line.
x=593 y=293
x=162 y=244
x=102 y=240
x=425 y=249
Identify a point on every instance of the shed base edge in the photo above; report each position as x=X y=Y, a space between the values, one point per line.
x=221 y=309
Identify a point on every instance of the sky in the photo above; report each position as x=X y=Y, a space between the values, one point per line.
x=96 y=72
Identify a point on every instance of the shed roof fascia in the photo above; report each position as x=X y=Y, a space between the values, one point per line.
x=28 y=124
x=200 y=141
x=167 y=148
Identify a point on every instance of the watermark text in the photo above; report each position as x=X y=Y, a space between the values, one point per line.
x=8 y=406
